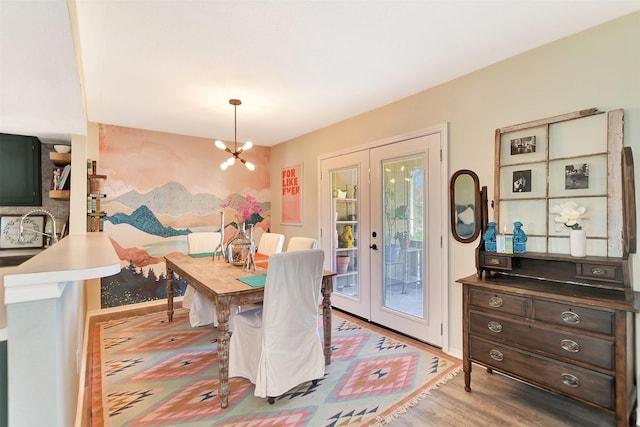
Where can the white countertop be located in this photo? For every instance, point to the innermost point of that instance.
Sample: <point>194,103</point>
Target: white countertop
<point>76,257</point>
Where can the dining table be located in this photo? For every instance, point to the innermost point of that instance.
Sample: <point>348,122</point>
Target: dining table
<point>217,280</point>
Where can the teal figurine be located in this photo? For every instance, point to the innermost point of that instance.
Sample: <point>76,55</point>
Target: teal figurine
<point>519,238</point>
<point>489,237</point>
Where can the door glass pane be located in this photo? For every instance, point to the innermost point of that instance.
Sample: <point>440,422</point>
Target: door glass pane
<point>403,235</point>
<point>344,187</point>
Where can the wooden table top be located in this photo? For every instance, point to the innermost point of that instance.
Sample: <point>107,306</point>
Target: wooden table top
<point>218,276</point>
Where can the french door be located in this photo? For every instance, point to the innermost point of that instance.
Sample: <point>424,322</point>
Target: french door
<point>390,198</point>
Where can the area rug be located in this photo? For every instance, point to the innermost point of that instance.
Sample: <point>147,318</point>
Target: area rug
<point>149,372</point>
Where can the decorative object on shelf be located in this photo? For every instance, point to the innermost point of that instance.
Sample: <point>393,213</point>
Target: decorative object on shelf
<point>489,237</point>
<point>403,239</point>
<point>346,238</point>
<point>342,263</point>
<point>62,148</point>
<point>401,212</point>
<point>578,243</point>
<point>351,191</point>
<point>235,154</point>
<point>519,238</point>
<point>568,214</point>
<point>341,194</point>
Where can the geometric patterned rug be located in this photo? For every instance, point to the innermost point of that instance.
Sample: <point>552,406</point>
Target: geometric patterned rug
<point>149,372</point>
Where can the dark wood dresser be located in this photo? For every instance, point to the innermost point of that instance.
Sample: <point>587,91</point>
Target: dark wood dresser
<point>557,322</point>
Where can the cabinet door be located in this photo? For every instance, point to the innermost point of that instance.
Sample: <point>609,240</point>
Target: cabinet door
<point>20,176</point>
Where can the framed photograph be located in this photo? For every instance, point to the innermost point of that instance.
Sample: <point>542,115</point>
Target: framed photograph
<point>523,145</point>
<point>291,193</point>
<point>522,181</point>
<point>10,231</point>
<point>576,176</point>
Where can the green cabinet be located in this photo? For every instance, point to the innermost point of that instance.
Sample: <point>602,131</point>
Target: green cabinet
<point>20,175</point>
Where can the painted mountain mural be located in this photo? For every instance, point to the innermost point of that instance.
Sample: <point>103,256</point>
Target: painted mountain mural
<point>137,226</point>
<point>143,219</point>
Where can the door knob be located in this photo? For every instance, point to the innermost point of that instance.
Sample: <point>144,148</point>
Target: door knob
<point>374,247</point>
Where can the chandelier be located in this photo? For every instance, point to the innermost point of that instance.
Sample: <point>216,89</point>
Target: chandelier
<point>235,154</point>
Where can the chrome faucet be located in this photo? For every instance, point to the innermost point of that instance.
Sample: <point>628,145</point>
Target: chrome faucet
<point>21,230</point>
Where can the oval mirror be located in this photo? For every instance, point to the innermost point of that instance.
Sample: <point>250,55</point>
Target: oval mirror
<point>464,194</point>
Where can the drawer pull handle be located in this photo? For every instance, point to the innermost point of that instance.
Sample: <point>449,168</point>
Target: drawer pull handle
<point>494,261</point>
<point>496,355</point>
<point>598,271</point>
<point>494,327</point>
<point>570,317</point>
<point>570,346</point>
<point>495,302</point>
<point>570,380</point>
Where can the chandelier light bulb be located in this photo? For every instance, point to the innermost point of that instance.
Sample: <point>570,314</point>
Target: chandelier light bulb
<point>235,154</point>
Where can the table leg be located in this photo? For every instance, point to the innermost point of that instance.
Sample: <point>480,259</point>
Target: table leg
<point>170,294</point>
<point>223,307</point>
<point>327,287</point>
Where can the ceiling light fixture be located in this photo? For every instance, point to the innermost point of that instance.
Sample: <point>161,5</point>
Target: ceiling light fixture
<point>235,154</point>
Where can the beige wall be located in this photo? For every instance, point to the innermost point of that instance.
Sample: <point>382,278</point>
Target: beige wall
<point>596,68</point>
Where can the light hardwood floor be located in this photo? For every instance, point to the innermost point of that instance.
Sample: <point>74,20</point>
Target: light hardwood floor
<point>496,400</point>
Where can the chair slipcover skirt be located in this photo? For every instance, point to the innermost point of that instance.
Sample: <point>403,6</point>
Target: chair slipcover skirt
<point>278,346</point>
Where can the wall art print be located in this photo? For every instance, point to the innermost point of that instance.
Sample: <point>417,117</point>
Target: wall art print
<point>291,193</point>
<point>160,187</point>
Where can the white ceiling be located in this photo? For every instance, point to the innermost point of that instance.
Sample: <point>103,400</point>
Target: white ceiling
<point>297,66</point>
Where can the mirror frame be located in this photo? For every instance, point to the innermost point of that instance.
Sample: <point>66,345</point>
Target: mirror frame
<point>477,207</point>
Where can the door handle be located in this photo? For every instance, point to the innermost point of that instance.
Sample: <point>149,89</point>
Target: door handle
<point>374,247</point>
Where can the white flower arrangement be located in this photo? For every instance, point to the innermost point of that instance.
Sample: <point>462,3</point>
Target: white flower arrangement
<point>568,214</point>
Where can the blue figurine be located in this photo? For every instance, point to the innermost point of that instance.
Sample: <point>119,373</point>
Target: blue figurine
<point>490,237</point>
<point>519,238</point>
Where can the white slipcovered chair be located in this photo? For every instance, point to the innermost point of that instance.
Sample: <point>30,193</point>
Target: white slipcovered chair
<point>300,243</point>
<point>278,345</point>
<point>270,243</point>
<point>201,311</point>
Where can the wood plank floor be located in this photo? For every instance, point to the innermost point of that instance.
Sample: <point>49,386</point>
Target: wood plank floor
<point>496,400</point>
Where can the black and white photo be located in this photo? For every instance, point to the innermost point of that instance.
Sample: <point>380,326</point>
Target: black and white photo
<point>522,181</point>
<point>576,176</point>
<point>523,145</point>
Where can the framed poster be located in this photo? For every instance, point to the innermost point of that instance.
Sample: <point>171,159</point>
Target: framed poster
<point>10,230</point>
<point>291,192</point>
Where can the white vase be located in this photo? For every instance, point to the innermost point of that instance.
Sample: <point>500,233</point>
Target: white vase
<point>578,240</point>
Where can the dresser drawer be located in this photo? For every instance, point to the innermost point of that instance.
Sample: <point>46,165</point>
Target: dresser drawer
<point>562,377</point>
<point>600,272</point>
<point>494,260</point>
<point>499,302</point>
<point>538,339</point>
<point>588,319</point>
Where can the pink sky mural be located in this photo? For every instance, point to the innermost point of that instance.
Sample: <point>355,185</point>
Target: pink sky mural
<point>144,160</point>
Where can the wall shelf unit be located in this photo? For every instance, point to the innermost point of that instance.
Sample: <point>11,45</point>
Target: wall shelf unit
<point>95,194</point>
<point>60,160</point>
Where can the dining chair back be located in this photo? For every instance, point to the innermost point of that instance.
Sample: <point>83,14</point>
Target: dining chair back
<point>201,311</point>
<point>278,345</point>
<point>300,243</point>
<point>270,243</point>
<point>202,241</point>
